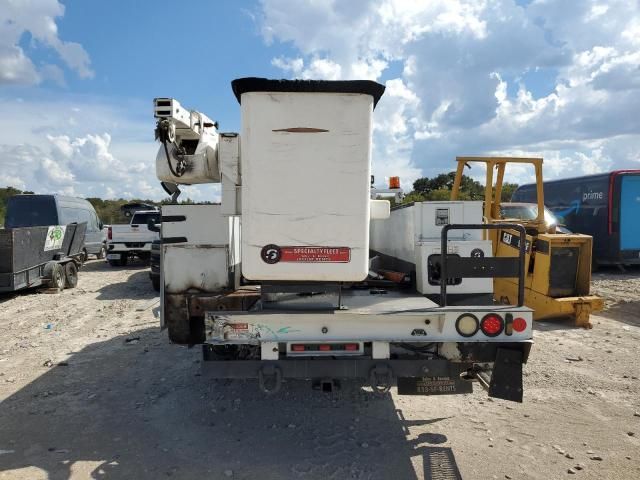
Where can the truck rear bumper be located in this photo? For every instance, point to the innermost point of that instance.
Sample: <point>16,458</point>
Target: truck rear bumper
<point>419,376</point>
<point>128,247</point>
<point>309,368</point>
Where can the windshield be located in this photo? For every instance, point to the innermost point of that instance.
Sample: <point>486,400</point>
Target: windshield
<point>143,218</point>
<point>31,211</point>
<point>527,212</point>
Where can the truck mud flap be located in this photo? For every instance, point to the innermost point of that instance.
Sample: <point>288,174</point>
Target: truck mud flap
<point>506,378</point>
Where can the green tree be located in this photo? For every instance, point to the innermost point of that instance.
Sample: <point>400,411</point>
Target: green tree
<point>5,193</point>
<point>507,191</point>
<point>439,188</point>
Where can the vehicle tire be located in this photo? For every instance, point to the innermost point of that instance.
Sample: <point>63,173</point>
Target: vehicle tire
<point>71,275</point>
<point>124,259</point>
<point>102,253</point>
<point>54,273</point>
<point>84,256</point>
<point>155,281</point>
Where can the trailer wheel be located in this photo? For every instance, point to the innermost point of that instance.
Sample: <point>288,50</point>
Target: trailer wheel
<point>54,272</point>
<point>71,274</point>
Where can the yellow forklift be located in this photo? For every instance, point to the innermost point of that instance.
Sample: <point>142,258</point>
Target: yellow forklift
<point>557,265</point>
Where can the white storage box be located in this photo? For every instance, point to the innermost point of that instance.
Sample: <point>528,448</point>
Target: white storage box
<point>306,154</point>
<point>430,217</point>
<point>398,235</point>
<point>429,253</point>
<point>200,249</point>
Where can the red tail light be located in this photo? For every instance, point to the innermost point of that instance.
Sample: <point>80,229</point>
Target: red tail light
<point>297,348</point>
<point>324,347</point>
<point>109,234</point>
<point>519,324</point>
<point>492,325</point>
<point>352,347</point>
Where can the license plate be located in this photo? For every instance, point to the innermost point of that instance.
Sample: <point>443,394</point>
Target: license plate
<point>433,386</point>
<point>113,256</point>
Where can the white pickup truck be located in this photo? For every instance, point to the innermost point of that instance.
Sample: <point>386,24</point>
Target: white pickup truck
<point>133,239</point>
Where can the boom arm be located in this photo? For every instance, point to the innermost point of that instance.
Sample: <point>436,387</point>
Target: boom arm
<point>189,139</point>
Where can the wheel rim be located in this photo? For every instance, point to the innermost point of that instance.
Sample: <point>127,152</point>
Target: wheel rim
<point>71,275</point>
<point>59,279</point>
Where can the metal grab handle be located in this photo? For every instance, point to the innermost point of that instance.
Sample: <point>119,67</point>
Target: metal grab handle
<point>489,226</point>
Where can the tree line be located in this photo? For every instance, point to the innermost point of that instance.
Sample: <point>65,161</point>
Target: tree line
<point>108,210</point>
<point>440,186</point>
<point>424,189</point>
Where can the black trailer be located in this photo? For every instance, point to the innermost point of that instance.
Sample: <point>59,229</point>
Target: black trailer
<point>41,256</point>
<point>605,206</point>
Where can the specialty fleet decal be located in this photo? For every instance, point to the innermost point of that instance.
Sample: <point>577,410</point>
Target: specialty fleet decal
<point>273,254</point>
<point>55,237</point>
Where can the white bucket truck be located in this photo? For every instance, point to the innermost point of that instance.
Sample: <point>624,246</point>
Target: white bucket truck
<point>276,281</point>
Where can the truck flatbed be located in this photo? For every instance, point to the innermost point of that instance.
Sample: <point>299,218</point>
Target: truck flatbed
<point>391,317</point>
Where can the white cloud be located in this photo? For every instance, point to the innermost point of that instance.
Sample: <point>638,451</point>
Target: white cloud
<point>11,180</point>
<point>38,18</point>
<point>99,155</point>
<point>459,63</point>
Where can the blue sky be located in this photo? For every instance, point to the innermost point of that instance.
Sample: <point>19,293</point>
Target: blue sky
<point>140,50</point>
<point>544,77</point>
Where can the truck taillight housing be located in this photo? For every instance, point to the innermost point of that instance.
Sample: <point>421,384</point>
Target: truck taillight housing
<point>519,324</point>
<point>492,325</point>
<point>109,233</point>
<point>467,325</point>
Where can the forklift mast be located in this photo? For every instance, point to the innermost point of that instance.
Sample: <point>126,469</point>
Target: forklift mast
<point>558,266</point>
<point>492,196</point>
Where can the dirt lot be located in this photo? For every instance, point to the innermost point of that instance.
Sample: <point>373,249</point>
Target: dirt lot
<point>90,388</point>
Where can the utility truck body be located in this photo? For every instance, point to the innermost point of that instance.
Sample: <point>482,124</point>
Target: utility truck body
<point>292,275</point>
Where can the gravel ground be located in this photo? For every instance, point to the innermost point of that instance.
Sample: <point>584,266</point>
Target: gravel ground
<point>90,388</point>
<point>621,291</point>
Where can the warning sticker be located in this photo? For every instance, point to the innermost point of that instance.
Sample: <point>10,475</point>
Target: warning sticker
<point>275,254</point>
<point>55,237</point>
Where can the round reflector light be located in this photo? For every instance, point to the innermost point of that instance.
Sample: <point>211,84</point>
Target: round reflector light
<point>491,325</point>
<point>519,324</point>
<point>467,325</point>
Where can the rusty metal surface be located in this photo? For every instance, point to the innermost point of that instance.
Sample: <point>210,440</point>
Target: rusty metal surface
<point>239,300</point>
